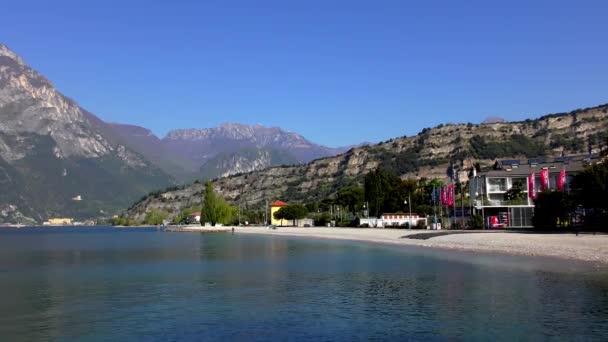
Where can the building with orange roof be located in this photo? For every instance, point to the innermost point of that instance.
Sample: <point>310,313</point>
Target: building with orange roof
<point>274,207</point>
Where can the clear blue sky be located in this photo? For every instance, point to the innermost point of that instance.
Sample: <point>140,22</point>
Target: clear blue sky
<point>338,72</point>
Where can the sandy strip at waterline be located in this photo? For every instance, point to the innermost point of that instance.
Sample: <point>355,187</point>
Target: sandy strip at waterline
<point>584,247</point>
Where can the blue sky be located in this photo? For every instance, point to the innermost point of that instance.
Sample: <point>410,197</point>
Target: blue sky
<point>337,72</point>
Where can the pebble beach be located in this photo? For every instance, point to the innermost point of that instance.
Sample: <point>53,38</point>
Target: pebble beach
<point>582,247</point>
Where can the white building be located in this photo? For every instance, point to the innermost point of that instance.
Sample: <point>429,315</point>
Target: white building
<point>393,220</point>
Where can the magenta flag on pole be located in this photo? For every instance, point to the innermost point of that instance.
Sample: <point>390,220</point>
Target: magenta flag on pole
<point>561,181</point>
<point>544,180</point>
<point>532,186</point>
<point>450,194</point>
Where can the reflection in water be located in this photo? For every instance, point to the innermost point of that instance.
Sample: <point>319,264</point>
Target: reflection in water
<point>144,284</point>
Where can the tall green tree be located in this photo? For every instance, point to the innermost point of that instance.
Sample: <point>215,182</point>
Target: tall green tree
<point>386,192</point>
<point>155,217</point>
<point>378,187</point>
<point>590,190</point>
<point>215,209</point>
<point>551,210</point>
<point>351,197</point>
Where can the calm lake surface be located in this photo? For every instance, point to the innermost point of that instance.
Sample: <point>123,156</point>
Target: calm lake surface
<point>143,284</point>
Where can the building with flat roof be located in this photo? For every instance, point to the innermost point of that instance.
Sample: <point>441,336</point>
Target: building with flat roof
<point>65,221</point>
<point>503,195</point>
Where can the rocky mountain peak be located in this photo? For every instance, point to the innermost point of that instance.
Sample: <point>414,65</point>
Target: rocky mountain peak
<point>8,53</point>
<point>52,150</point>
<point>493,120</point>
<point>29,103</point>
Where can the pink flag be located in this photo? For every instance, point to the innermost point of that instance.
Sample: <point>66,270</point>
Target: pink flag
<point>532,186</point>
<point>444,200</point>
<point>450,196</point>
<point>561,181</point>
<point>544,179</point>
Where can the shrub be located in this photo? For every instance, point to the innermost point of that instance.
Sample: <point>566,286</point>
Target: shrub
<point>477,222</point>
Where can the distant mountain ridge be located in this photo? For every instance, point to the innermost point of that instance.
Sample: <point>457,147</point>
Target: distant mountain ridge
<point>189,154</point>
<point>203,144</point>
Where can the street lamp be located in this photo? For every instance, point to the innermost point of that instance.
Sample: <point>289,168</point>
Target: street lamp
<point>409,201</point>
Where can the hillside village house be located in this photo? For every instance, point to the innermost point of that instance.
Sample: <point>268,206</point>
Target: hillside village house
<point>487,189</point>
<point>195,217</point>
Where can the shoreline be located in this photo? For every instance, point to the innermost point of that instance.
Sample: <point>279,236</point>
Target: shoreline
<point>587,248</point>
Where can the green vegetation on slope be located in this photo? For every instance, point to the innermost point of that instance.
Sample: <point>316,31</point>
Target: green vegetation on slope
<point>43,185</point>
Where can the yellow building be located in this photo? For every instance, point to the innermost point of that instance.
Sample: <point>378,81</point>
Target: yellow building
<point>274,207</point>
<point>59,221</point>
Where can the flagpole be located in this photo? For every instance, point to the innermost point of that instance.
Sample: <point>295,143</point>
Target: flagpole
<point>434,209</point>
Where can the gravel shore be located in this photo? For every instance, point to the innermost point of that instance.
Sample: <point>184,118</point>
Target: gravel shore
<point>585,247</point>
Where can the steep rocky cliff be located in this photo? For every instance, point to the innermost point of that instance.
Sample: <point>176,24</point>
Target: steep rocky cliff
<point>427,154</point>
<point>52,150</point>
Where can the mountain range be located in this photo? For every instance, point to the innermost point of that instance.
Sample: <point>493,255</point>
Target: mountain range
<point>188,154</point>
<point>58,159</point>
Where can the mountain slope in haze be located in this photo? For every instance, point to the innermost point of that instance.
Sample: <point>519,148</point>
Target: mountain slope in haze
<point>427,154</point>
<point>202,145</point>
<point>52,150</point>
<point>144,142</point>
<point>189,154</point>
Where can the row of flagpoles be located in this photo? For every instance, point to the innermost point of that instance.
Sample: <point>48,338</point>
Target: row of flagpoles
<point>544,182</point>
<point>445,194</point>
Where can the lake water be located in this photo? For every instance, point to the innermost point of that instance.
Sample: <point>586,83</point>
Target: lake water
<point>142,284</point>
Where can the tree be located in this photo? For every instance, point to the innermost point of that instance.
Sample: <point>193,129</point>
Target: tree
<point>351,197</point>
<point>590,190</point>
<point>516,193</point>
<point>215,209</point>
<point>155,217</point>
<point>291,212</point>
<point>551,210</point>
<point>386,192</point>
<point>379,187</point>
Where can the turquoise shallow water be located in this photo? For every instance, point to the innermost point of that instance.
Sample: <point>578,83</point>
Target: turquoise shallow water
<point>142,284</point>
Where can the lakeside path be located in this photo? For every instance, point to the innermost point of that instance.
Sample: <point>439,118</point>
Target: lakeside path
<point>585,247</point>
